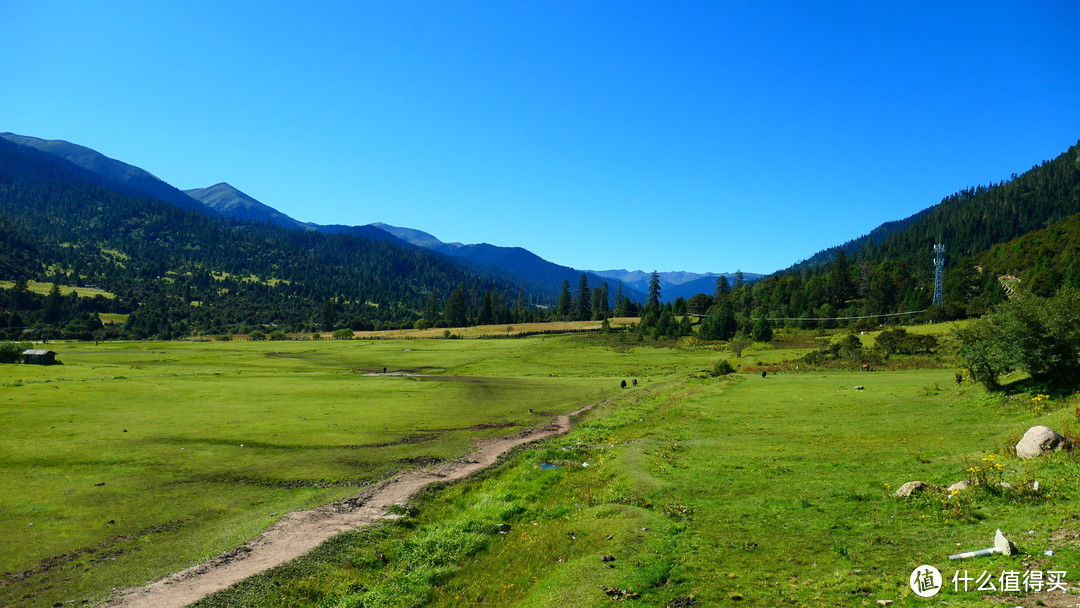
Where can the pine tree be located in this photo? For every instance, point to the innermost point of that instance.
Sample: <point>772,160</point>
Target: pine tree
<point>722,288</point>
<point>654,291</point>
<point>565,302</point>
<point>584,299</point>
<point>455,311</point>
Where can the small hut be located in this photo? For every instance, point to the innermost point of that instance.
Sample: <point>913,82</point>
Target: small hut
<point>36,356</point>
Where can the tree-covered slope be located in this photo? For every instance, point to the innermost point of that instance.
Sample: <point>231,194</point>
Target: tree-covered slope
<point>870,277</point>
<point>975,219</point>
<point>179,271</point>
<point>121,176</point>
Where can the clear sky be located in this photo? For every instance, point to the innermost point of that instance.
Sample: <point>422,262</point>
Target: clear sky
<point>700,136</point>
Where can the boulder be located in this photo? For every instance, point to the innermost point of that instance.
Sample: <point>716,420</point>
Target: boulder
<point>916,487</point>
<point>960,485</point>
<point>1037,441</point>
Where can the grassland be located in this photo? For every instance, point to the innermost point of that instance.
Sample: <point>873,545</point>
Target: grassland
<point>66,290</point>
<point>765,491</point>
<point>136,459</point>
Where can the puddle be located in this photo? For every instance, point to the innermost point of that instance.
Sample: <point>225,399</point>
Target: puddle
<point>547,466</point>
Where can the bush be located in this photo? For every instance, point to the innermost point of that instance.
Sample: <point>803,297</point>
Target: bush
<point>1040,336</point>
<point>898,341</point>
<point>722,368</point>
<point>846,353</point>
<point>343,334</point>
<point>11,352</point>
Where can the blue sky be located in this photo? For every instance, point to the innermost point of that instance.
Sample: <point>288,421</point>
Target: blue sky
<point>700,136</point>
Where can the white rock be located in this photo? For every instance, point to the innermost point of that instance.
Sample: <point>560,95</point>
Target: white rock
<point>1037,441</point>
<point>916,487</point>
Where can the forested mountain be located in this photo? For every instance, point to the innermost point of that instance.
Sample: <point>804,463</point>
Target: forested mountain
<point>896,274</point>
<point>230,202</point>
<point>178,272</point>
<point>974,219</point>
<point>674,284</point>
<point>120,176</point>
<point>517,261</point>
<point>512,264</point>
<point>1043,260</point>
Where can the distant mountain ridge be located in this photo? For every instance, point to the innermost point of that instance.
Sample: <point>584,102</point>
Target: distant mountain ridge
<point>137,181</point>
<point>230,202</point>
<point>675,284</point>
<point>517,261</point>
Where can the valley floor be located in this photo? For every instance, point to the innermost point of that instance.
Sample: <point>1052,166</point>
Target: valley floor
<point>135,460</point>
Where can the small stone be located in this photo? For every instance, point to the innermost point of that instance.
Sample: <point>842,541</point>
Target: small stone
<point>960,485</point>
<point>884,602</point>
<point>860,388</point>
<point>916,487</point>
<point>504,528</point>
<point>607,558</point>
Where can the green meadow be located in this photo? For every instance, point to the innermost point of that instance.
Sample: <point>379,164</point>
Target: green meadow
<point>735,491</point>
<point>134,460</point>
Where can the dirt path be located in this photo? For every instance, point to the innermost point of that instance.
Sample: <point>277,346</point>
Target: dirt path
<point>301,531</point>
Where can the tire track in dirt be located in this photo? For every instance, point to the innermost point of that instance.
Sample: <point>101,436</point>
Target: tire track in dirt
<point>301,531</point>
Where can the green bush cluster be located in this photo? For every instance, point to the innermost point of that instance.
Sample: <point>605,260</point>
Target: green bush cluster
<point>11,352</point>
<point>847,352</point>
<point>723,367</point>
<point>897,341</point>
<point>1040,336</point>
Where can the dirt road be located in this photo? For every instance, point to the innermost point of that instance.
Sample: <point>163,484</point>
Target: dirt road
<point>301,531</point>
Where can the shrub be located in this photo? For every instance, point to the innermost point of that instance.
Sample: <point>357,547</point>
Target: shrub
<point>722,368</point>
<point>898,341</point>
<point>343,334</point>
<point>1038,335</point>
<point>11,352</point>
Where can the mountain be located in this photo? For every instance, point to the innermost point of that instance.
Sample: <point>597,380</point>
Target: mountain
<point>974,219</point>
<point>1043,260</point>
<point>230,202</point>
<point>417,237</point>
<point>1020,226</point>
<point>675,284</point>
<point>177,271</point>
<point>122,176</point>
<point>518,261</point>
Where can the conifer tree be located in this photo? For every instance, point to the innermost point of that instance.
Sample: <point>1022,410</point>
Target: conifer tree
<point>654,291</point>
<point>584,299</point>
<point>565,301</point>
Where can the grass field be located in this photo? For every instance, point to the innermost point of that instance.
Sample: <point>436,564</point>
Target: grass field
<point>66,290</point>
<point>133,460</point>
<point>764,492</point>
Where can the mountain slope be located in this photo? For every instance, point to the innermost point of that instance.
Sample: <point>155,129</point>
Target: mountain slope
<point>975,219</point>
<point>178,271</point>
<point>122,176</point>
<point>230,202</point>
<point>518,261</point>
<point>675,284</point>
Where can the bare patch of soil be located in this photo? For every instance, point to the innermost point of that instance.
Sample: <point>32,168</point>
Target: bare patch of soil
<point>299,532</point>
